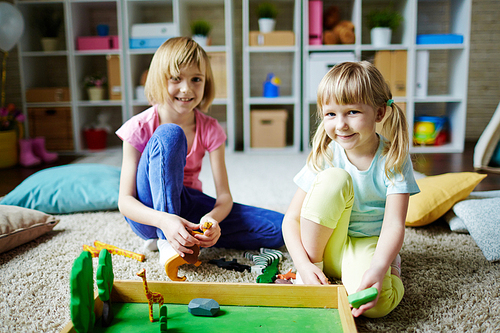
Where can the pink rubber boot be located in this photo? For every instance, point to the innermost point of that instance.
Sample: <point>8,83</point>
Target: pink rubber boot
<point>38,146</point>
<point>26,156</point>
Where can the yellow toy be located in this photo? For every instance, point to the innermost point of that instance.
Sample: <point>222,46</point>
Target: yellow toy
<point>151,296</point>
<point>98,246</point>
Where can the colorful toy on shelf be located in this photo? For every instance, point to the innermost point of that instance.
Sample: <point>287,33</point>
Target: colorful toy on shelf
<point>271,86</point>
<point>362,297</point>
<point>430,130</point>
<point>151,296</point>
<point>337,31</point>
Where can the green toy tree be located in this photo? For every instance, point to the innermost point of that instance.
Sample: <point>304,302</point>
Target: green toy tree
<point>82,293</point>
<point>104,279</point>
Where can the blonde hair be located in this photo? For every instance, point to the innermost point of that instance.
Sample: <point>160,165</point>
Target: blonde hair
<point>361,82</point>
<point>167,61</point>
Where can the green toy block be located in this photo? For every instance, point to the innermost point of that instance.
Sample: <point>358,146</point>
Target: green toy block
<point>163,318</point>
<point>362,297</point>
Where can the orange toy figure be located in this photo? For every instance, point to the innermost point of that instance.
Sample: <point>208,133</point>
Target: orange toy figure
<point>116,250</point>
<point>172,264</point>
<point>151,296</point>
<point>288,276</point>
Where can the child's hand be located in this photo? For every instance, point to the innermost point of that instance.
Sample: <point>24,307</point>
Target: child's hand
<point>211,234</point>
<point>373,277</point>
<point>177,233</point>
<point>311,274</point>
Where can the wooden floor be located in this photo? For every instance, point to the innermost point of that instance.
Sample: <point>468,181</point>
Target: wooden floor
<point>11,177</point>
<point>434,164</point>
<point>429,164</point>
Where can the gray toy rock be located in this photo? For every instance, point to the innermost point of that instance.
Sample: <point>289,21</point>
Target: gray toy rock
<point>206,307</point>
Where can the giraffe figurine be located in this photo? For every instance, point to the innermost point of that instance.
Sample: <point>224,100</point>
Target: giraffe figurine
<point>151,296</point>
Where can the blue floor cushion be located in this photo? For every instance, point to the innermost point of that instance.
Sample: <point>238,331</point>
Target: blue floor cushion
<point>68,189</point>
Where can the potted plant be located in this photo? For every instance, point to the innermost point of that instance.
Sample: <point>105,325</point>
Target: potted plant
<point>200,30</point>
<point>266,12</point>
<point>11,129</point>
<point>49,23</point>
<point>95,86</point>
<point>382,22</point>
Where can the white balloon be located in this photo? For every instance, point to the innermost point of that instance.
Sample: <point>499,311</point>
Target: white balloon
<point>11,26</point>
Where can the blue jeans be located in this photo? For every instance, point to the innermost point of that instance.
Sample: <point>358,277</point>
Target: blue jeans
<point>160,176</point>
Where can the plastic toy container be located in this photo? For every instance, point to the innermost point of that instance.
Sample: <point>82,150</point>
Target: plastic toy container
<point>430,130</point>
<point>95,138</point>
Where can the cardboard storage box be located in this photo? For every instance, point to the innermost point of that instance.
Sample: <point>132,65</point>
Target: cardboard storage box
<point>218,64</point>
<point>275,38</point>
<point>392,65</point>
<point>268,128</point>
<point>114,78</point>
<point>54,124</point>
<point>53,94</point>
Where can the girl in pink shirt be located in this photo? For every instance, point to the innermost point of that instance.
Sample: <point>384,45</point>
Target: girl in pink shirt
<point>160,194</point>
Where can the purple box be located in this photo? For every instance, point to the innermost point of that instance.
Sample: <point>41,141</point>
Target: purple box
<point>97,43</point>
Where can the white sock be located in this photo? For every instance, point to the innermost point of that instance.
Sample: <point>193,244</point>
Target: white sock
<point>298,279</point>
<point>150,244</point>
<point>166,251</point>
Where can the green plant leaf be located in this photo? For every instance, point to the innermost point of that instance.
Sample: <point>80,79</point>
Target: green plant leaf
<point>385,18</point>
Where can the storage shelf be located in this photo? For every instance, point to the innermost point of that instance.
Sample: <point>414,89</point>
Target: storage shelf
<point>440,47</point>
<point>100,103</point>
<point>68,67</point>
<point>284,61</point>
<point>272,100</point>
<point>448,63</point>
<point>98,52</point>
<point>271,49</point>
<point>440,99</point>
<point>48,105</point>
<point>45,54</point>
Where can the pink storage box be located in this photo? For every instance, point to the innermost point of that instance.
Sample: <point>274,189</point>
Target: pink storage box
<point>98,43</point>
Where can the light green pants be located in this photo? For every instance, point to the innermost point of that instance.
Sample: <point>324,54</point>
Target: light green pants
<point>329,203</point>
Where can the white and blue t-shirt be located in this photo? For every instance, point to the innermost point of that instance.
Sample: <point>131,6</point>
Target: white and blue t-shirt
<point>371,188</point>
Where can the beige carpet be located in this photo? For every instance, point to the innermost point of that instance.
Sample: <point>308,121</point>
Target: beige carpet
<point>450,286</point>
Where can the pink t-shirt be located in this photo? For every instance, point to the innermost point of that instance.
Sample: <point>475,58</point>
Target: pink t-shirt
<point>208,137</point>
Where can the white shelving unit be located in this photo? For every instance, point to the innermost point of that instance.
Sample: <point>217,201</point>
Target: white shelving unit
<point>181,13</point>
<point>67,66</point>
<point>448,68</point>
<point>283,61</point>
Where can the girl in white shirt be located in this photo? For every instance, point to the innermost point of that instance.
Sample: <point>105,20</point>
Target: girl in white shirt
<point>347,218</point>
